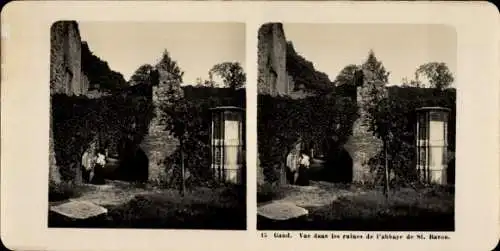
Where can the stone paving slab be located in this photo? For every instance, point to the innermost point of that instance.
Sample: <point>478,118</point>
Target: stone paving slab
<point>79,209</point>
<point>281,211</point>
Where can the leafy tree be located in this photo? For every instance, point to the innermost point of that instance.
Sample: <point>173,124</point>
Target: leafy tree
<point>172,105</point>
<point>99,74</point>
<point>304,74</point>
<point>170,67</point>
<point>438,74</point>
<point>142,74</point>
<point>376,68</point>
<point>231,72</point>
<point>347,75</point>
<point>204,83</point>
<point>375,78</point>
<point>411,83</point>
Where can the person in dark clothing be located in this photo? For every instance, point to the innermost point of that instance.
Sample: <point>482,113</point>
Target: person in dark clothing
<point>304,163</point>
<point>98,177</point>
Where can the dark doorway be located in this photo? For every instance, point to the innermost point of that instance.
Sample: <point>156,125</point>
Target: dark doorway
<point>338,166</point>
<point>133,163</point>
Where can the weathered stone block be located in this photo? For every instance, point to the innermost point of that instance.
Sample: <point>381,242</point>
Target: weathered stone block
<point>66,74</point>
<point>281,211</point>
<point>65,59</point>
<point>363,145</point>
<point>79,210</point>
<point>272,76</point>
<point>159,143</point>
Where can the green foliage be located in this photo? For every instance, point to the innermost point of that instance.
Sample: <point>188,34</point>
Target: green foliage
<point>304,74</point>
<point>347,76</point>
<point>98,72</point>
<point>268,192</point>
<point>77,121</point>
<point>282,121</point>
<point>202,208</point>
<point>63,191</point>
<point>375,78</point>
<point>377,71</point>
<point>411,83</point>
<point>204,83</point>
<point>231,72</point>
<point>142,74</point>
<point>166,64</point>
<point>437,73</point>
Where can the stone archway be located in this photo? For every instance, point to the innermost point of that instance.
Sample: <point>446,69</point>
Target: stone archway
<point>133,164</point>
<point>337,166</point>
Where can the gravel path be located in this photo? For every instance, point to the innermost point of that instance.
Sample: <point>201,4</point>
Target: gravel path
<point>112,193</point>
<point>318,194</point>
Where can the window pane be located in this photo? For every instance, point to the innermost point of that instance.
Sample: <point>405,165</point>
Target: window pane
<point>437,132</point>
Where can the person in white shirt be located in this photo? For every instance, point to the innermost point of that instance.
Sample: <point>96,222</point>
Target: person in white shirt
<point>88,163</point>
<point>100,162</point>
<point>304,163</point>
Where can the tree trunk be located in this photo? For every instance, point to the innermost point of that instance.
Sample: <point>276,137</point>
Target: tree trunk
<point>183,180</point>
<point>386,169</point>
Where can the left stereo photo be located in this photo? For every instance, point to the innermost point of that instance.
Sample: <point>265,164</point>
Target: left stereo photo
<point>147,125</point>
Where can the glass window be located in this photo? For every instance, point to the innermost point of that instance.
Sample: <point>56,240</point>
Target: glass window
<point>217,155</point>
<point>422,127</point>
<point>422,156</point>
<point>231,133</point>
<point>437,131</point>
<point>216,125</point>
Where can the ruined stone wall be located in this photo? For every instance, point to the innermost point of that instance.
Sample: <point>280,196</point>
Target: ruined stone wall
<point>54,175</point>
<point>272,75</point>
<point>65,60</point>
<point>274,79</point>
<point>296,93</point>
<point>363,145</point>
<point>159,143</point>
<point>65,74</point>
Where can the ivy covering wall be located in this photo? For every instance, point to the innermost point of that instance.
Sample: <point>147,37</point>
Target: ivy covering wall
<point>329,118</point>
<point>283,121</point>
<point>78,120</point>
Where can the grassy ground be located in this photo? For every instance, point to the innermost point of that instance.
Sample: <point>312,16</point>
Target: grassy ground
<point>340,207</point>
<point>143,207</point>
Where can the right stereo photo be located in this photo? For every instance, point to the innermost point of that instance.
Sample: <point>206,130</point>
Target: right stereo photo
<point>356,127</point>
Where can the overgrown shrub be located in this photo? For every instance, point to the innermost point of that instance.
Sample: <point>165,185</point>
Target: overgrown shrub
<point>63,191</point>
<point>268,192</point>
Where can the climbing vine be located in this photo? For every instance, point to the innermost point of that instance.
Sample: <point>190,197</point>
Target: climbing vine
<point>282,121</point>
<point>78,120</point>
